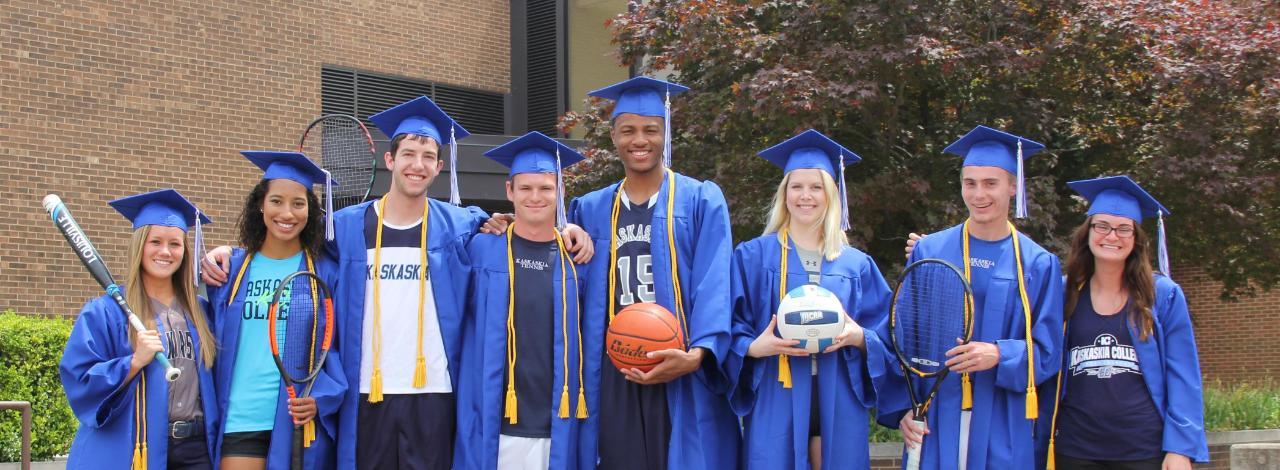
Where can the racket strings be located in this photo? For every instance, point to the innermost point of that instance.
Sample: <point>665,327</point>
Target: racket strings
<point>931,314</point>
<point>298,326</point>
<point>344,151</point>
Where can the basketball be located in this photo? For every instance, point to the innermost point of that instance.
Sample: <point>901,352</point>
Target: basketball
<point>638,330</point>
<point>812,315</point>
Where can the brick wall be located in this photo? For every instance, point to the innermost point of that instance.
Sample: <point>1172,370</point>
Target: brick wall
<point>1237,340</point>
<point>103,99</point>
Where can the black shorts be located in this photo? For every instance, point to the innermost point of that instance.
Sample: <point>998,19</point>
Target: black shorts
<point>409,432</point>
<point>246,444</point>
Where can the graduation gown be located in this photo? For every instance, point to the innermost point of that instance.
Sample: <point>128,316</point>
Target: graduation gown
<point>704,431</point>
<point>93,368</point>
<point>449,229</point>
<point>1000,436</point>
<point>1171,370</point>
<point>484,360</point>
<point>776,419</point>
<point>328,389</point>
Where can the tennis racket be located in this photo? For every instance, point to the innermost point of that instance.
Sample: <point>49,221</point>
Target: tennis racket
<point>346,151</point>
<point>92,261</point>
<point>932,306</point>
<point>300,329</point>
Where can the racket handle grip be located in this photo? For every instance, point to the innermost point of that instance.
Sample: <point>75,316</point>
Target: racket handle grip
<point>913,453</point>
<point>296,458</point>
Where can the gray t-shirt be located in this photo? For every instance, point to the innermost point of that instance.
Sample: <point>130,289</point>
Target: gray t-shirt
<point>184,393</point>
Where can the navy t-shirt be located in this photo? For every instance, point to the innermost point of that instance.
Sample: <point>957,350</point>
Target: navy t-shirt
<point>635,425</point>
<point>1107,413</point>
<point>535,335</point>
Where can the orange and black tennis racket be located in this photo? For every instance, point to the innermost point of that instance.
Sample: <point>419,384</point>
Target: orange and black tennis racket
<point>300,328</point>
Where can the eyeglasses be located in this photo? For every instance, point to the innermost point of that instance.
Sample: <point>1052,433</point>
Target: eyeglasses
<point>1123,231</point>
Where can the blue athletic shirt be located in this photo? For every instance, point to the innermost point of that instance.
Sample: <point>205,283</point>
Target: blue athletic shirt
<point>255,381</point>
<point>1107,413</point>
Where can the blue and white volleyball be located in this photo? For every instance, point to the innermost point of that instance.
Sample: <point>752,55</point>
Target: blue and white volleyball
<point>812,315</point>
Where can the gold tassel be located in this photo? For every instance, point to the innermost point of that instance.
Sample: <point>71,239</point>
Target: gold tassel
<point>564,402</point>
<point>1050,465</point>
<point>1033,403</point>
<point>375,386</point>
<point>308,433</point>
<point>966,393</point>
<point>420,372</point>
<point>510,413</point>
<point>784,371</point>
<point>138,464</point>
<point>582,404</point>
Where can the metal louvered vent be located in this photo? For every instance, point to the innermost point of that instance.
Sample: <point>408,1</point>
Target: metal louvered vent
<point>363,94</point>
<point>542,38</point>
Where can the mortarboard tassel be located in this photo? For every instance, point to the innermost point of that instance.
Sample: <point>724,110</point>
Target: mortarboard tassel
<point>1163,249</point>
<point>844,197</point>
<point>328,205</point>
<point>197,251</point>
<point>666,131</point>
<point>561,217</point>
<point>1021,211</point>
<point>454,197</point>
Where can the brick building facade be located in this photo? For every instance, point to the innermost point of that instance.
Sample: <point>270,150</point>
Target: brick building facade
<point>106,99</point>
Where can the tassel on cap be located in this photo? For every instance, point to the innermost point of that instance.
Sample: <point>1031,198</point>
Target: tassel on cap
<point>328,205</point>
<point>454,197</point>
<point>562,218</point>
<point>198,251</point>
<point>1022,187</point>
<point>666,130</point>
<point>1163,248</point>
<point>844,197</point>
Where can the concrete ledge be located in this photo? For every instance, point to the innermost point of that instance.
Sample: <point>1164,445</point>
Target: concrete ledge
<point>1255,456</point>
<point>57,464</point>
<point>1243,437</point>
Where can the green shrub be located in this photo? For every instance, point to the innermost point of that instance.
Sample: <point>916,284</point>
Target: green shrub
<point>1241,406</point>
<point>30,349</point>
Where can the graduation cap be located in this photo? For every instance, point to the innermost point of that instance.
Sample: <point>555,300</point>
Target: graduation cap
<point>421,117</point>
<point>984,146</point>
<point>167,208</point>
<point>296,167</point>
<point>536,153</point>
<point>812,149</point>
<point>1121,196</point>
<point>644,96</point>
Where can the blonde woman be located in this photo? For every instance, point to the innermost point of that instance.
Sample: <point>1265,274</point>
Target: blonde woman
<point>799,410</point>
<point>130,416</point>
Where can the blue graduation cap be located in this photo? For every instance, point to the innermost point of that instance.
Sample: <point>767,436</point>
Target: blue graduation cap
<point>536,153</point>
<point>1121,196</point>
<point>644,96</point>
<point>984,146</point>
<point>296,167</point>
<point>420,116</point>
<point>812,149</point>
<point>165,207</point>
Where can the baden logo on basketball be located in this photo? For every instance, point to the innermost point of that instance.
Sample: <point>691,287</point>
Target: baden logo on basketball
<point>638,330</point>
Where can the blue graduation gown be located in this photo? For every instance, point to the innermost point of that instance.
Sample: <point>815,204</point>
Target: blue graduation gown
<point>328,389</point>
<point>484,360</point>
<point>93,368</point>
<point>449,229</point>
<point>776,419</point>
<point>1170,368</point>
<point>1000,436</point>
<point>704,431</point>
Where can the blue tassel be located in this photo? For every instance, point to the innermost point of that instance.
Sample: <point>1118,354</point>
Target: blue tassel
<point>561,217</point>
<point>197,251</point>
<point>666,132</point>
<point>844,198</point>
<point>328,206</point>
<point>454,197</point>
<point>1021,211</point>
<point>1163,254</point>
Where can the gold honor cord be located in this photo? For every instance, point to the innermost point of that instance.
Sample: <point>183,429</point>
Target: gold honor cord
<point>1057,400</point>
<point>309,429</point>
<point>671,246</point>
<point>420,367</point>
<point>140,423</point>
<point>784,362</point>
<point>510,408</point>
<point>1032,412</point>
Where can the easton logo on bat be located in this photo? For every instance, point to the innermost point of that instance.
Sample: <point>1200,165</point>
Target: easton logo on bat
<point>78,240</point>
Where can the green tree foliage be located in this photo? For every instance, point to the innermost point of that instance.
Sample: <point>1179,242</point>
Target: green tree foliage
<point>1182,95</point>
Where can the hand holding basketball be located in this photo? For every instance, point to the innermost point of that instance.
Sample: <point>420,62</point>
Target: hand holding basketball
<point>638,331</point>
<point>768,344</point>
<point>675,363</point>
